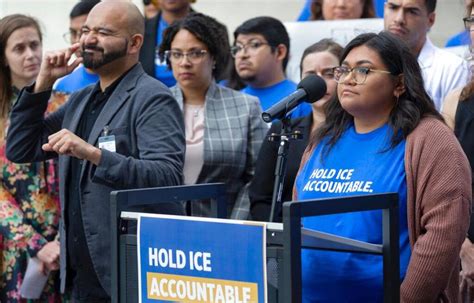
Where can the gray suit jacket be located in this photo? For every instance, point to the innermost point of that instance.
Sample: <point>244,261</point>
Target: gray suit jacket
<point>149,135</point>
<point>233,134</point>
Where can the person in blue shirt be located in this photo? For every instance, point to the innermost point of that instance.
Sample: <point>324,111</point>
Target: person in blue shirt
<point>261,52</point>
<point>463,37</point>
<point>81,76</point>
<point>383,134</point>
<point>170,11</point>
<point>459,39</point>
<point>319,59</point>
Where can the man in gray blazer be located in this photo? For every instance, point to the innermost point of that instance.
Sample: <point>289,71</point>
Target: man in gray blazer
<point>124,132</point>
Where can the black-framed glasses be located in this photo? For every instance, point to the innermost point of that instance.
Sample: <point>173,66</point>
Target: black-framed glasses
<point>468,23</point>
<point>359,73</point>
<point>250,47</point>
<point>194,56</point>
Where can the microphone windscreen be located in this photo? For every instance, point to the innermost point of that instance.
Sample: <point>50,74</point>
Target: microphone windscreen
<point>314,86</point>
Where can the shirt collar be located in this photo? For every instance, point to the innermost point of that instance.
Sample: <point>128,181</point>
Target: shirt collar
<point>426,56</point>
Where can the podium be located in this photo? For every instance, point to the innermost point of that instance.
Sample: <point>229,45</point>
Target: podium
<point>284,240</point>
<point>124,274</point>
<point>295,237</point>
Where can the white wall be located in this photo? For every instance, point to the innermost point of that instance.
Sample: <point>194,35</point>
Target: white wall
<point>54,14</point>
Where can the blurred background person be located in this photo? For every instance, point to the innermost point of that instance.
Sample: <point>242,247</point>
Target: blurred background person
<point>223,127</point>
<point>463,37</point>
<point>458,111</point>
<point>318,59</point>
<point>29,203</point>
<point>342,9</point>
<point>170,11</point>
<point>81,76</point>
<point>151,8</point>
<point>261,51</point>
<point>442,71</point>
<point>339,9</point>
<point>384,134</point>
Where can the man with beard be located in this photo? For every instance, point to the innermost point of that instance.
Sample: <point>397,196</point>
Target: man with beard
<point>125,132</point>
<point>170,11</point>
<point>411,21</point>
<point>80,77</point>
<point>261,51</point>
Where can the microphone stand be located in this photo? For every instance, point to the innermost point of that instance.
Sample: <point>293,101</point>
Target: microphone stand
<point>284,138</point>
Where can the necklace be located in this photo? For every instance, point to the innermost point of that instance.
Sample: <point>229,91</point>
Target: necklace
<point>196,111</point>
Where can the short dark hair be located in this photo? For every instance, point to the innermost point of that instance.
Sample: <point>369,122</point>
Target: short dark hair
<point>430,5</point>
<point>83,7</point>
<point>207,30</point>
<point>323,45</point>
<point>271,29</point>
<point>412,105</point>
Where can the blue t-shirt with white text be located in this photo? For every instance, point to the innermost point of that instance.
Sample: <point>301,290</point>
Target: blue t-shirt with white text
<point>358,164</point>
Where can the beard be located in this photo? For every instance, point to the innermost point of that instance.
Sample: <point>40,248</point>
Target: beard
<point>104,58</point>
<point>248,78</point>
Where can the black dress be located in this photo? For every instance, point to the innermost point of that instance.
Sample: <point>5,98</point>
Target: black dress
<point>464,130</point>
<point>261,188</point>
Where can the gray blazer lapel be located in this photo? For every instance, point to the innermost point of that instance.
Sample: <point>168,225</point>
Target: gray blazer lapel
<point>115,102</point>
<point>64,161</point>
<point>113,105</point>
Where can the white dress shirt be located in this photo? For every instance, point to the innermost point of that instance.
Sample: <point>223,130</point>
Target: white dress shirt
<point>442,71</point>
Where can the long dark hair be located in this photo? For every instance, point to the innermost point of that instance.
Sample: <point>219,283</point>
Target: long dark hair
<point>8,25</point>
<point>316,9</point>
<point>412,105</point>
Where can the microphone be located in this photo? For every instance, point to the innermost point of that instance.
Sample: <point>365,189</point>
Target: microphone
<point>312,88</point>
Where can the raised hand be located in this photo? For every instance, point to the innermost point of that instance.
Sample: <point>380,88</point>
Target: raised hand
<point>56,65</point>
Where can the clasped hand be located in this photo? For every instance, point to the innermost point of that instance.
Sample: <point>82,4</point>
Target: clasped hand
<point>49,257</point>
<point>65,142</point>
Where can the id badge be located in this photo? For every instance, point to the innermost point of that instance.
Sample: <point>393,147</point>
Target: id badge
<point>107,143</point>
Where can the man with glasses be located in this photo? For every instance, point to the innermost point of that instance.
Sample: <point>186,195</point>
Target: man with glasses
<point>261,51</point>
<point>411,20</point>
<point>124,132</point>
<point>81,76</point>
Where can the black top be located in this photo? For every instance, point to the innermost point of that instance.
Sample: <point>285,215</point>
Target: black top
<point>464,130</point>
<point>148,49</point>
<point>261,188</point>
<point>86,284</point>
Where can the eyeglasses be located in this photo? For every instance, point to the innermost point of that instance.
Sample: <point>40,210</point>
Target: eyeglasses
<point>468,23</point>
<point>250,47</point>
<point>359,73</point>
<point>71,36</point>
<point>194,56</point>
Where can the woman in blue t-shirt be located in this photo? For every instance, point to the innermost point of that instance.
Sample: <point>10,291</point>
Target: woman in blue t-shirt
<point>382,133</point>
